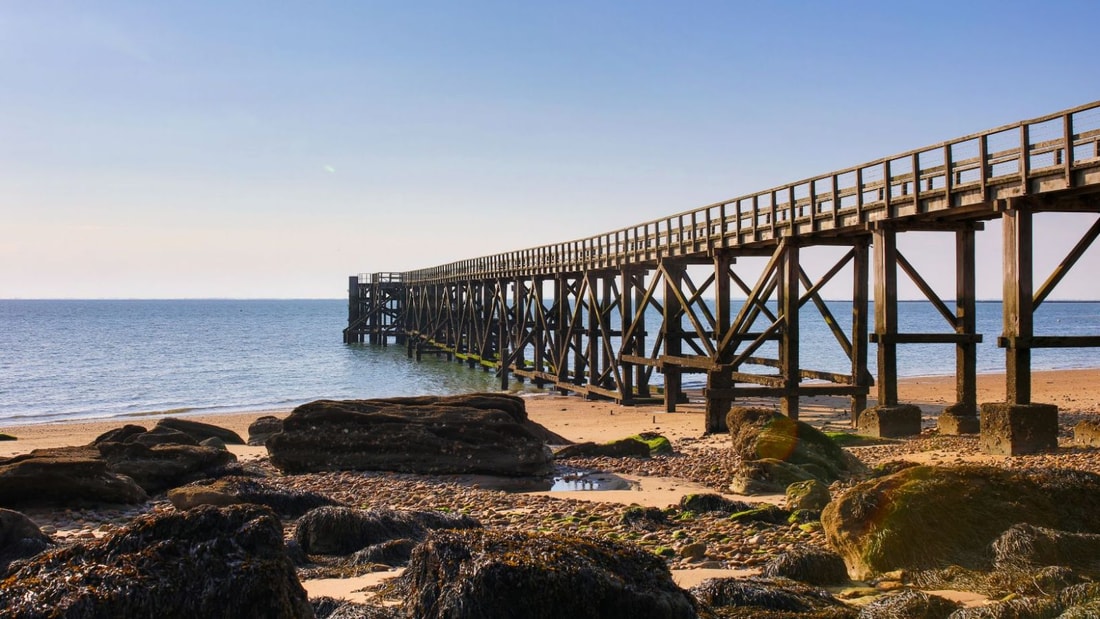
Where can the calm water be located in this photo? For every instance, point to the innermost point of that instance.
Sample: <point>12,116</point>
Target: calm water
<point>84,359</point>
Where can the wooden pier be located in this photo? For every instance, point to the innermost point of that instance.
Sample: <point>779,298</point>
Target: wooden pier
<point>571,316</point>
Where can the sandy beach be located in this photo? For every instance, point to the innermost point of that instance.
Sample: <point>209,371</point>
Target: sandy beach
<point>651,483</point>
<point>1073,391</point>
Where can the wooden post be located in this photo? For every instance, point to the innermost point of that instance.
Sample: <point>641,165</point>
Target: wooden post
<point>886,312</point>
<point>1018,319</point>
<point>626,319</point>
<point>718,408</point>
<point>788,289</point>
<point>674,273</point>
<point>860,374</point>
<point>641,374</point>
<point>966,354</point>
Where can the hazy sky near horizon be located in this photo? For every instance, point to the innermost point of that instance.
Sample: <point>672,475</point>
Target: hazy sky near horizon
<point>257,149</point>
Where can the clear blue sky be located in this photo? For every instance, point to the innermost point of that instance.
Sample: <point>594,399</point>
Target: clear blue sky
<point>259,149</point>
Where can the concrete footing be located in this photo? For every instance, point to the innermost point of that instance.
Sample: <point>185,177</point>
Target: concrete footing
<point>890,421</point>
<point>958,419</point>
<point>1016,429</point>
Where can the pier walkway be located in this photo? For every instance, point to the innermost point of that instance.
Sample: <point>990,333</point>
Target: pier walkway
<point>571,315</point>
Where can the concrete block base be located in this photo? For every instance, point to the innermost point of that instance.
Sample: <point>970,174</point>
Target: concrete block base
<point>1016,429</point>
<point>958,419</point>
<point>890,421</point>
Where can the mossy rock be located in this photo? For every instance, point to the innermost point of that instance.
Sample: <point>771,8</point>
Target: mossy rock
<point>658,444</point>
<point>770,514</point>
<point>809,494</point>
<point>711,502</point>
<point>767,476</point>
<point>927,517</point>
<point>489,573</point>
<point>624,447</point>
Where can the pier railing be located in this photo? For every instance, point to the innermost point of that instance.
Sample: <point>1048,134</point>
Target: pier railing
<point>1051,153</point>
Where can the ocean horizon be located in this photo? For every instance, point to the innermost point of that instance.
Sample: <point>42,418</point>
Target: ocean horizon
<point>67,360</point>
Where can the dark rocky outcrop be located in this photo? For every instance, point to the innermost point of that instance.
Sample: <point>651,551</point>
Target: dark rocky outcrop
<point>776,451</point>
<point>200,431</point>
<point>261,429</point>
<point>615,449</point>
<point>160,467</point>
<point>344,530</point>
<point>20,538</point>
<point>774,598</point>
<point>763,512</point>
<point>161,436</point>
<point>331,608</point>
<point>65,476</point>
<point>208,562</point>
<point>233,490</point>
<point>120,435</point>
<point>708,502</point>
<point>928,517</point>
<point>911,605</point>
<point>1028,546</point>
<point>645,518</point>
<point>477,433</point>
<point>809,494</point>
<point>810,565</point>
<point>484,573</point>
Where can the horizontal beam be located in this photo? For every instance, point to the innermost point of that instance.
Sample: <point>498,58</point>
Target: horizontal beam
<point>1049,341</point>
<point>732,393</point>
<point>924,338</point>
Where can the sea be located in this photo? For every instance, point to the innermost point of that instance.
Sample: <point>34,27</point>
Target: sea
<point>63,360</point>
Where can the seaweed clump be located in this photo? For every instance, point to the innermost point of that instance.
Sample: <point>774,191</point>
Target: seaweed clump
<point>487,573</point>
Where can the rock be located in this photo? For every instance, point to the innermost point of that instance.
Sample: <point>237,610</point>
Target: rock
<point>331,608</point>
<point>694,551</point>
<point>766,476</point>
<point>1087,432</point>
<point>492,573</point>
<point>768,597</point>
<point>208,562</point>
<point>20,538</point>
<point>344,530</point>
<point>392,552</point>
<point>428,439</point>
<point>810,565</point>
<point>924,517</point>
<point>1027,546</point>
<point>708,502</point>
<point>200,431</point>
<point>615,449</point>
<point>658,444</point>
<point>162,436</point>
<point>645,518</point>
<point>763,513</point>
<point>809,494</point>
<point>7,437</point>
<point>232,490</point>
<point>160,467</point>
<point>262,428</point>
<point>214,442</point>
<point>910,604</point>
<point>120,435</point>
<point>64,476</point>
<point>776,451</point>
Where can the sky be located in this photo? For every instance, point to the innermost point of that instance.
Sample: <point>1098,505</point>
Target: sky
<point>270,150</point>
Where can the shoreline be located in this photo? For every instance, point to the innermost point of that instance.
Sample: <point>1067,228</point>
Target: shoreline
<point>592,420</point>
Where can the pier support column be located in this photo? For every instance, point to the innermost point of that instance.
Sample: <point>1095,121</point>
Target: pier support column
<point>962,416</point>
<point>1018,426</point>
<point>788,288</point>
<point>674,275</point>
<point>861,377</point>
<point>718,408</point>
<point>888,418</point>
